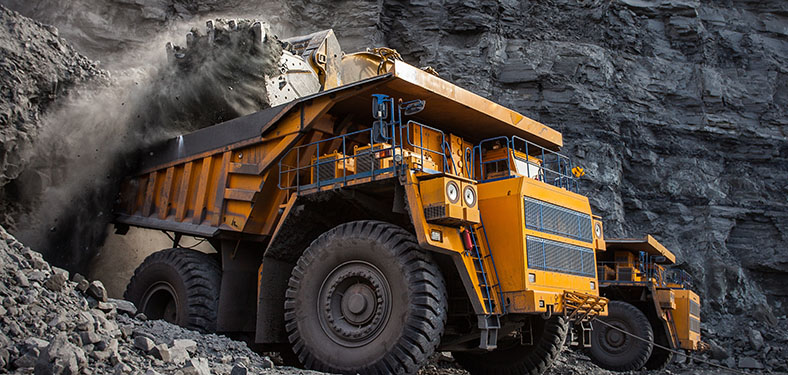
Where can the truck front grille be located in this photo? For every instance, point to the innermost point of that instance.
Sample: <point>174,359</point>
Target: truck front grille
<point>555,256</point>
<point>553,219</point>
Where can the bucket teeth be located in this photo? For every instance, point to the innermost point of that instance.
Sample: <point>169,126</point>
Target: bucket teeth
<point>257,31</point>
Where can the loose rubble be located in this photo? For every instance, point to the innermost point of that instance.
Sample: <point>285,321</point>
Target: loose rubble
<point>50,326</point>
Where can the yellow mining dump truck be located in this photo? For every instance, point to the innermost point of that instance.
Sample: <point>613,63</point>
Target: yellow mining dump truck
<point>648,299</point>
<point>367,225</point>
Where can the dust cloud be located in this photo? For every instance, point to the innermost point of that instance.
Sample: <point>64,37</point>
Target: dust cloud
<point>90,141</point>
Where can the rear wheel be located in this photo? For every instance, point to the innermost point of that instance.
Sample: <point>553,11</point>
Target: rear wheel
<point>615,350</point>
<point>513,358</point>
<point>180,286</point>
<point>363,298</point>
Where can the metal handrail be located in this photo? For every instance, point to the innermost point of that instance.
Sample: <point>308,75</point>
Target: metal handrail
<point>551,163</point>
<point>421,147</point>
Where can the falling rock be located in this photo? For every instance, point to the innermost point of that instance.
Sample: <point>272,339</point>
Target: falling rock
<point>143,343</point>
<point>97,291</point>
<point>197,366</point>
<point>749,362</point>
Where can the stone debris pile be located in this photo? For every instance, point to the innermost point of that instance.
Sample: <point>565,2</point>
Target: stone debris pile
<point>50,324</point>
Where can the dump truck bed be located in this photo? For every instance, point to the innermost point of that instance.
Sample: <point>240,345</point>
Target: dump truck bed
<point>223,178</point>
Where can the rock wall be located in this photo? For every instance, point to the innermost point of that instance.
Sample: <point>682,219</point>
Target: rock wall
<point>675,108</point>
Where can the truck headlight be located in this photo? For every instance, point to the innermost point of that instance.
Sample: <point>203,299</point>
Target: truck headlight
<point>452,192</point>
<point>469,195</point>
<point>593,285</point>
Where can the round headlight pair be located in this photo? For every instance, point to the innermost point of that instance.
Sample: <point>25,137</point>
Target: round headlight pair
<point>453,193</point>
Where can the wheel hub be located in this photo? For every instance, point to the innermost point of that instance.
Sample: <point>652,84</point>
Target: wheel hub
<point>354,303</point>
<point>614,340</point>
<point>160,302</point>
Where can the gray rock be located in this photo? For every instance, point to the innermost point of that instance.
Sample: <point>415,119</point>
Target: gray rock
<point>755,338</point>
<point>89,337</point>
<point>21,279</point>
<point>60,357</point>
<point>97,291</point>
<point>161,352</point>
<point>178,355</point>
<point>123,306</point>
<point>266,363</point>
<point>187,344</point>
<point>239,369</point>
<point>58,280</point>
<point>77,278</point>
<point>196,366</point>
<point>83,285</point>
<point>143,343</point>
<point>750,363</point>
<point>717,352</point>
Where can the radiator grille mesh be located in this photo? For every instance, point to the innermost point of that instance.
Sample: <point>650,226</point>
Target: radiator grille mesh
<point>694,308</point>
<point>549,218</point>
<point>555,256</point>
<point>694,325</point>
<point>435,212</point>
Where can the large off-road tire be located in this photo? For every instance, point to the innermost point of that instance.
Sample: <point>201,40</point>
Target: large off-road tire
<point>513,358</point>
<point>614,350</point>
<point>363,298</point>
<point>660,358</point>
<point>180,286</point>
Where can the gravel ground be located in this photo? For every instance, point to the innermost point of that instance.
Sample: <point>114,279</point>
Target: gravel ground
<point>53,325</point>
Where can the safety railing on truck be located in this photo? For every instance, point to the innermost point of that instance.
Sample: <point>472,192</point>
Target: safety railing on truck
<point>646,270</point>
<point>344,159</point>
<point>499,157</point>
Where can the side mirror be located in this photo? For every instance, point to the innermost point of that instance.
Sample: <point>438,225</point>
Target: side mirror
<point>412,107</point>
<point>380,110</point>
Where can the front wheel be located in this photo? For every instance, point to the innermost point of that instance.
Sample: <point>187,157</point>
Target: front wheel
<point>363,298</point>
<point>513,358</point>
<point>612,344</point>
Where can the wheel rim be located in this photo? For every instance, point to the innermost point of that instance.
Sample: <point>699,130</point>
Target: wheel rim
<point>354,303</point>
<point>161,302</point>
<point>614,341</point>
